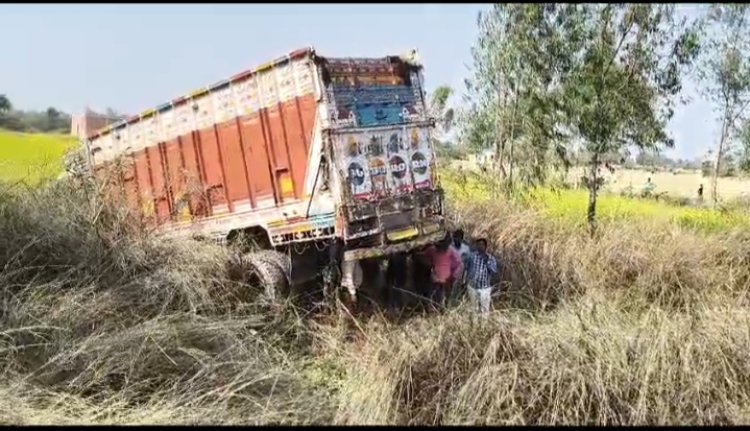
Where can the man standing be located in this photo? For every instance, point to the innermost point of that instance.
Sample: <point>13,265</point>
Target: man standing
<point>460,246</point>
<point>482,267</point>
<point>446,267</point>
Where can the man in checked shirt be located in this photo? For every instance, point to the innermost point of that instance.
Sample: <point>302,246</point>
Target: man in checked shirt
<point>480,270</point>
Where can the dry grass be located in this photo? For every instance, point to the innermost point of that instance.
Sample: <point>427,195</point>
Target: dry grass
<point>102,323</point>
<point>639,327</point>
<point>129,329</point>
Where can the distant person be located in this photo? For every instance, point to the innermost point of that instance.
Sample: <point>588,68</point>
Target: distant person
<point>648,188</point>
<point>446,268</point>
<point>700,194</point>
<point>482,268</point>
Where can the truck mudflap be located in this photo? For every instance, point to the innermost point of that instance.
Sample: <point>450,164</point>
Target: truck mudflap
<point>371,252</point>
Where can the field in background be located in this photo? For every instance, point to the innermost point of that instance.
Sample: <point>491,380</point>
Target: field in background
<point>682,184</point>
<point>569,206</point>
<point>31,157</point>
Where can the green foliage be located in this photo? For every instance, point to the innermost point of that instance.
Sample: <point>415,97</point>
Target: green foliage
<point>604,74</point>
<point>449,151</point>
<point>440,110</point>
<point>519,61</point>
<point>725,75</point>
<point>5,104</point>
<point>49,120</point>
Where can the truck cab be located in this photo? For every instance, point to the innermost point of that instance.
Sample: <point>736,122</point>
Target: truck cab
<point>377,132</point>
<point>379,137</point>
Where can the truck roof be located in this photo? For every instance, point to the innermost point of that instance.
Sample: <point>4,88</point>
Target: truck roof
<point>412,61</point>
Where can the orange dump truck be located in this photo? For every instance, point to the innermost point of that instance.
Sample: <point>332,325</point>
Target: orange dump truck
<point>334,153</point>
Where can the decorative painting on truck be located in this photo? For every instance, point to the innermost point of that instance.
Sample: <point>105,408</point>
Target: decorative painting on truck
<point>376,163</point>
<point>246,94</point>
<point>150,132</point>
<point>204,115</point>
<point>223,103</point>
<point>368,92</point>
<point>184,119</point>
<point>167,126</point>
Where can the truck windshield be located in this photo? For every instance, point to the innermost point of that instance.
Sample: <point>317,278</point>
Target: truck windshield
<point>367,92</point>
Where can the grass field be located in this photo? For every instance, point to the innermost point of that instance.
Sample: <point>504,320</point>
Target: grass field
<point>683,184</point>
<point>104,323</point>
<point>569,207</point>
<point>31,157</point>
<point>647,323</point>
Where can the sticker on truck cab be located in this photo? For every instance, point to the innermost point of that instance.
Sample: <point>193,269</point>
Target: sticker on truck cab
<point>386,161</point>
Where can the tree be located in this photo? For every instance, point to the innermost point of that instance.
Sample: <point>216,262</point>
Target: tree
<point>725,74</point>
<point>5,105</point>
<point>444,117</point>
<point>439,108</point>
<point>624,78</point>
<point>744,138</point>
<point>442,113</point>
<point>114,115</point>
<point>53,117</point>
<point>605,75</point>
<point>520,59</point>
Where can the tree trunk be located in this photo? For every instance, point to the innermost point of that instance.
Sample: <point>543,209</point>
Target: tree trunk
<point>510,169</point>
<point>717,164</point>
<point>593,189</point>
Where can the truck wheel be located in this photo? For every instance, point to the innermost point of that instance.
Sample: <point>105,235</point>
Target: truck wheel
<point>270,271</point>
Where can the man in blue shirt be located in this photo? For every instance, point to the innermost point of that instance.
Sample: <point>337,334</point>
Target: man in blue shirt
<point>482,268</point>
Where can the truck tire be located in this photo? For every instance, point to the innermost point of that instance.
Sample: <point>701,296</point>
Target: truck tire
<point>270,270</point>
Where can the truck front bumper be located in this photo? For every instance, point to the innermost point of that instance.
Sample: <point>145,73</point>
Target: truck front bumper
<point>371,252</point>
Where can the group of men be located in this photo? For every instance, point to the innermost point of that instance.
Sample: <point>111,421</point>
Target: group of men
<point>455,267</point>
<point>442,272</point>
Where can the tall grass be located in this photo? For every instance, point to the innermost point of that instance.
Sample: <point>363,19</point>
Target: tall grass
<point>104,322</point>
<point>121,324</point>
<point>642,326</point>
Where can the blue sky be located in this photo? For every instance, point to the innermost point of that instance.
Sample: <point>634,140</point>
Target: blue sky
<point>133,57</point>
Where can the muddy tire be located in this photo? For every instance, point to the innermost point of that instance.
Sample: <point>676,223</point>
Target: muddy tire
<point>266,272</point>
<point>274,272</point>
